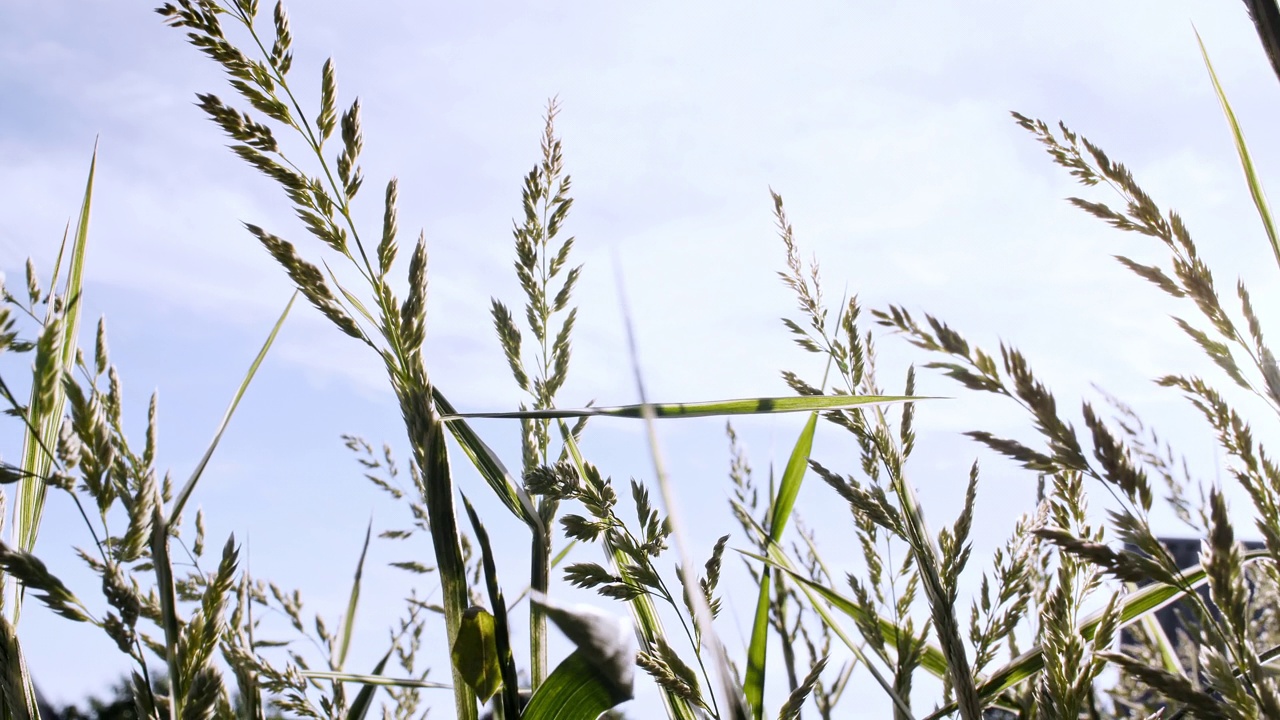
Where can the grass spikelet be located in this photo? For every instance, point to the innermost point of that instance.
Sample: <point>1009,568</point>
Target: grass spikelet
<point>32,573</point>
<point>309,280</point>
<point>387,246</point>
<point>671,673</point>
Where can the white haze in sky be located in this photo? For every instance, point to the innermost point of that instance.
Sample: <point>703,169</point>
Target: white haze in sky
<point>885,126</point>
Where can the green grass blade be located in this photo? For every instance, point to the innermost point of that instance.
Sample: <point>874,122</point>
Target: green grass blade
<point>353,600</point>
<point>792,477</point>
<point>364,699</point>
<point>490,467</point>
<point>187,489</point>
<point>163,568</point>
<point>645,615</point>
<point>1164,646</point>
<point>575,690</point>
<point>45,419</point>
<point>17,695</point>
<point>1135,606</point>
<point>505,661</point>
<point>782,505</point>
<point>351,298</point>
<point>757,650</point>
<point>432,455</point>
<point>932,658</point>
<point>1246,161</point>
<point>376,680</point>
<point>714,408</point>
<point>777,558</point>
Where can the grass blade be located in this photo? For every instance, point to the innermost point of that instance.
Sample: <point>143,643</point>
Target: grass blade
<point>575,690</point>
<point>1246,161</point>
<point>490,467</point>
<point>502,638</point>
<point>1135,606</point>
<point>777,558</point>
<point>714,408</point>
<point>432,455</point>
<point>45,417</point>
<point>169,623</point>
<point>375,680</point>
<point>932,659</point>
<point>645,615</point>
<point>782,505</point>
<point>181,500</point>
<point>349,619</point>
<point>555,562</point>
<point>17,695</point>
<point>364,699</point>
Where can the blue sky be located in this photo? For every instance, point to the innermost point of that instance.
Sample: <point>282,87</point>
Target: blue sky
<point>884,126</point>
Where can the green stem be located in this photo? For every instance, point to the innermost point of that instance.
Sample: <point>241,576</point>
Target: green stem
<point>540,580</point>
<point>426,433</point>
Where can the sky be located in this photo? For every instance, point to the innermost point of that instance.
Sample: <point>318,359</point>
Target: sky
<point>885,126</point>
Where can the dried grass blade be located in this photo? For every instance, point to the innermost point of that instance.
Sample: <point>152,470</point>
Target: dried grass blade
<point>181,500</point>
<point>1246,161</point>
<point>788,490</point>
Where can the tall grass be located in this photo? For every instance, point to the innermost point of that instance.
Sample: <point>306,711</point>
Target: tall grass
<point>900,616</point>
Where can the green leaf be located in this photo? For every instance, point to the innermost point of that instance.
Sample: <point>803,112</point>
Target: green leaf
<point>603,638</point>
<point>714,408</point>
<point>576,690</point>
<point>1246,162</point>
<point>187,489</point>
<point>782,505</point>
<point>475,653</point>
